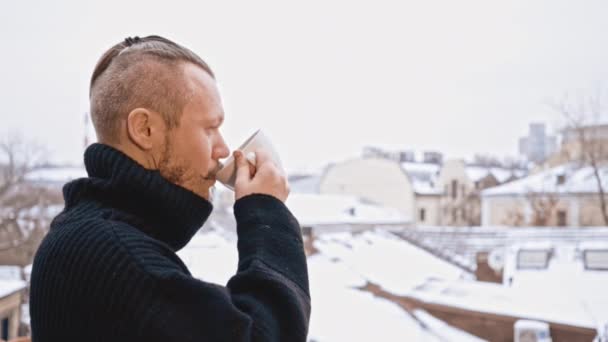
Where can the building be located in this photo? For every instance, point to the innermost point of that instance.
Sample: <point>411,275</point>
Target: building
<point>537,146</point>
<point>585,139</point>
<point>388,152</point>
<point>400,155</point>
<point>428,193</point>
<point>433,157</point>
<point>11,298</point>
<point>591,138</point>
<point>408,187</point>
<point>565,195</point>
<point>461,184</point>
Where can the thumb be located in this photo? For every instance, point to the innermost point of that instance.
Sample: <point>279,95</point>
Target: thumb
<point>242,167</point>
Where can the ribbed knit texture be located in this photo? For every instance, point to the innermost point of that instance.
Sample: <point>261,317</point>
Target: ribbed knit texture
<point>107,269</point>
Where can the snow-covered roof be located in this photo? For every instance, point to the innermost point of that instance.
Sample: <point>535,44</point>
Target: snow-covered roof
<point>576,180</point>
<point>491,298</point>
<point>563,291</point>
<point>304,184</point>
<point>476,173</point>
<point>425,187</point>
<point>10,280</point>
<point>373,254</point>
<point>325,209</point>
<point>56,174</point>
<point>8,272</point>
<point>421,169</point>
<point>345,262</point>
<point>8,287</point>
<point>423,177</point>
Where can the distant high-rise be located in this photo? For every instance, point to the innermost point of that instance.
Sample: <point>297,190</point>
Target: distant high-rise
<point>433,157</point>
<point>537,146</point>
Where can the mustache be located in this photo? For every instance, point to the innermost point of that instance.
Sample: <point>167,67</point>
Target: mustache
<point>213,172</point>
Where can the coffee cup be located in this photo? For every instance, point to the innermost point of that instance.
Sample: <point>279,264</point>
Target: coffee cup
<point>257,141</point>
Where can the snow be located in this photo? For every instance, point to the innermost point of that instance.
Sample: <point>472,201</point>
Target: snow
<point>8,287</point>
<point>501,300</point>
<point>425,187</point>
<point>476,173</point>
<point>563,292</point>
<point>577,180</point>
<point>25,314</point>
<point>421,168</point>
<point>342,313</point>
<point>372,255</point>
<point>346,262</point>
<point>27,270</point>
<point>423,177</point>
<point>305,184</point>
<point>10,272</point>
<point>211,257</point>
<point>317,209</point>
<point>444,331</point>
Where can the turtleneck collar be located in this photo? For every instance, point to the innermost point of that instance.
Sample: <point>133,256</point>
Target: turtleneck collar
<point>159,208</point>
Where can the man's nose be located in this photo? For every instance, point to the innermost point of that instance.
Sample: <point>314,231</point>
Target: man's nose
<point>221,150</point>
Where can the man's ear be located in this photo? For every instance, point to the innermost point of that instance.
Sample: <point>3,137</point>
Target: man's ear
<point>145,128</point>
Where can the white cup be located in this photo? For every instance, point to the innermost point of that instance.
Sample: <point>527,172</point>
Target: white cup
<point>257,141</point>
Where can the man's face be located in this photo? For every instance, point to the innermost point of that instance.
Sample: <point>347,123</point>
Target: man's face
<point>193,148</point>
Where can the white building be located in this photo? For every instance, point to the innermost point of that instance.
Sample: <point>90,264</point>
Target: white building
<point>408,187</point>
<point>565,195</point>
<point>461,184</point>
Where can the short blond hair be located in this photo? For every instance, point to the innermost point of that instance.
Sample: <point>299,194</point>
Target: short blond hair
<point>140,72</point>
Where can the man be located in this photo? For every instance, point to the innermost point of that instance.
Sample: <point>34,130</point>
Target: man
<point>107,270</point>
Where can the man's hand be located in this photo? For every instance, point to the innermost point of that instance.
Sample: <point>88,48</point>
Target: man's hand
<point>265,178</point>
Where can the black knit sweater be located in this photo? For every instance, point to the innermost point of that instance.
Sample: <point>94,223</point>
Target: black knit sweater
<point>107,270</point>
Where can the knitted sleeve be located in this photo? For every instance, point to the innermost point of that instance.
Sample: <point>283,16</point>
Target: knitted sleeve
<point>266,300</point>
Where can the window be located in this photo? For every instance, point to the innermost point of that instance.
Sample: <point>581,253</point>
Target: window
<point>454,215</point>
<point>422,214</point>
<point>4,329</point>
<point>561,218</point>
<point>561,179</point>
<point>462,190</point>
<point>533,258</point>
<point>596,259</point>
<point>454,188</point>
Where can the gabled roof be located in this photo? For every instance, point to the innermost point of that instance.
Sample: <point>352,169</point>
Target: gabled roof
<point>575,180</point>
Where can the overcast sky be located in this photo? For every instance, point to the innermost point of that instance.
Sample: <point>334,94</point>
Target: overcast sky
<point>323,78</point>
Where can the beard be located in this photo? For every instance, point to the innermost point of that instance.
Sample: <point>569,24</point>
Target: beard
<point>177,171</point>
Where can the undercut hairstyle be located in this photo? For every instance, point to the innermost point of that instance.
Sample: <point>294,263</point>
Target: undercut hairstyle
<point>138,72</point>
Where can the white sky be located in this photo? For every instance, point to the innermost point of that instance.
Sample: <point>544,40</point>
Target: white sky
<point>322,78</point>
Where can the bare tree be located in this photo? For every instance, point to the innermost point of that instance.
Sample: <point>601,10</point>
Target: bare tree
<point>584,140</point>
<point>22,206</point>
<point>543,206</point>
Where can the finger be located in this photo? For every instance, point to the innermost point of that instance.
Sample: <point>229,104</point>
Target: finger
<point>262,157</point>
<point>242,167</point>
<point>252,170</point>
